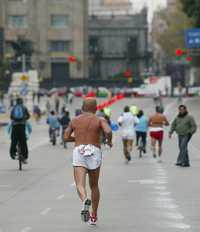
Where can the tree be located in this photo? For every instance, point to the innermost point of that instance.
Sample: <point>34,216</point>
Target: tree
<point>22,46</point>
<point>171,36</point>
<point>4,67</point>
<point>192,9</point>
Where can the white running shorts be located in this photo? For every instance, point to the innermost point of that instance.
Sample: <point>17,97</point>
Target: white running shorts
<point>87,156</point>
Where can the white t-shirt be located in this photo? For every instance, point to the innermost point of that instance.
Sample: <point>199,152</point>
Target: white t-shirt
<point>127,122</point>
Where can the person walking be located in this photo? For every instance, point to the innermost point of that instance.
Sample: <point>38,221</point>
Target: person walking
<point>185,126</point>
<point>127,123</point>
<point>156,123</point>
<point>19,116</point>
<point>87,156</point>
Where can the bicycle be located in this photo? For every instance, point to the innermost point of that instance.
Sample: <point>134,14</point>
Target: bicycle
<point>19,157</point>
<point>141,147</point>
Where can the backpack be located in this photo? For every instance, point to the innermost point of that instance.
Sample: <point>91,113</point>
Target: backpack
<point>18,113</point>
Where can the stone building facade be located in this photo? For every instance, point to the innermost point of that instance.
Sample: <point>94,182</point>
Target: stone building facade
<point>57,29</point>
<point>118,42</point>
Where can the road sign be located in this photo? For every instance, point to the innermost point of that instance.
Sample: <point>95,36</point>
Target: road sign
<point>24,78</point>
<point>192,38</point>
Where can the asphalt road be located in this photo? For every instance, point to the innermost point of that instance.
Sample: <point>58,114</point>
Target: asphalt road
<point>144,196</point>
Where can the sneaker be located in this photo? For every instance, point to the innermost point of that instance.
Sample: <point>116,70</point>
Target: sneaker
<point>93,220</point>
<point>85,214</point>
<point>25,161</point>
<point>154,156</point>
<point>185,165</point>
<point>129,157</point>
<point>178,164</point>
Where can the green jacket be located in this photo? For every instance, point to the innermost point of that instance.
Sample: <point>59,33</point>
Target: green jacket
<point>183,126</point>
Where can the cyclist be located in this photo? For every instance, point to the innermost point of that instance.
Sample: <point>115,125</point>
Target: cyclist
<point>127,123</point>
<point>141,129</point>
<point>19,116</point>
<point>87,156</point>
<point>54,124</point>
<point>64,121</point>
<point>156,123</point>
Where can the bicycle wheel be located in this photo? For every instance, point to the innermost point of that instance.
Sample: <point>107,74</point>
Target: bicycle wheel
<point>140,147</point>
<point>19,157</point>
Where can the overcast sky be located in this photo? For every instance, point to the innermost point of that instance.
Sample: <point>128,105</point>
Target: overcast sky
<point>152,5</point>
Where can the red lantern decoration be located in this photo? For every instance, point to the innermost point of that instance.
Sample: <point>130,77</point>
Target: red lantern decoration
<point>127,73</point>
<point>72,59</point>
<point>189,59</point>
<point>179,52</point>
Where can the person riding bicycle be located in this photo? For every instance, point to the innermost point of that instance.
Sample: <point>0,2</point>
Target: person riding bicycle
<point>53,123</point>
<point>19,116</point>
<point>141,129</point>
<point>64,121</point>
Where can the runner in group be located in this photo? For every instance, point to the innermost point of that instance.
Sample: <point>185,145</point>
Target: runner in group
<point>156,123</point>
<point>87,156</point>
<point>127,123</point>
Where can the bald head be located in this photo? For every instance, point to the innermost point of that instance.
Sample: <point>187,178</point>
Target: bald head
<point>89,105</point>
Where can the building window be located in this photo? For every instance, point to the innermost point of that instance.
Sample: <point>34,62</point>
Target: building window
<point>17,21</point>
<point>59,46</point>
<point>59,21</point>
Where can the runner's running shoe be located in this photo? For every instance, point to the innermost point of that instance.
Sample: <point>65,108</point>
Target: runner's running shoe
<point>85,214</point>
<point>93,219</point>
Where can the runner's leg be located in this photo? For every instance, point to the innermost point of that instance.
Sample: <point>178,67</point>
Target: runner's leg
<point>160,147</point>
<point>153,147</point>
<point>80,180</point>
<point>95,193</point>
<point>125,148</point>
<point>129,145</point>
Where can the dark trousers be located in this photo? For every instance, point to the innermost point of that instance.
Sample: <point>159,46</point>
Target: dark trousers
<point>183,157</point>
<point>18,137</point>
<point>143,135</point>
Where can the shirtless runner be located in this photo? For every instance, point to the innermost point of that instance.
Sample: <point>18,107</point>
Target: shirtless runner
<point>87,156</point>
<point>156,123</point>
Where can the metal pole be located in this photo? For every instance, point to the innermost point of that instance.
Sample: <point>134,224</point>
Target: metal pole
<point>23,63</point>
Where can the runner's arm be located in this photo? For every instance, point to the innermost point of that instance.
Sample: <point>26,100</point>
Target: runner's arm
<point>107,131</point>
<point>68,134</point>
<point>166,122</point>
<point>150,122</point>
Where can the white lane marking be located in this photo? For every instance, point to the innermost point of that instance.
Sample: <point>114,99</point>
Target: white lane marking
<point>162,193</point>
<point>45,211</point>
<point>161,182</point>
<point>60,197</point>
<point>26,229</point>
<point>160,187</point>
<point>175,216</point>
<point>4,186</point>
<point>148,181</point>
<point>162,177</point>
<point>164,199</point>
<point>166,205</point>
<point>179,226</point>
